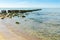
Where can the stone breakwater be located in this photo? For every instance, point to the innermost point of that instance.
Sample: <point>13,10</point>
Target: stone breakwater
<point>18,11</point>
<point>13,13</point>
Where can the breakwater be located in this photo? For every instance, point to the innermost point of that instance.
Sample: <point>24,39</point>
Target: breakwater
<point>18,11</point>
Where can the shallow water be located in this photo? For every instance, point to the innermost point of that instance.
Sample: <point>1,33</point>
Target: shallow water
<point>44,24</point>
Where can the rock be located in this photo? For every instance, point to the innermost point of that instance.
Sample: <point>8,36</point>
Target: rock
<point>17,23</point>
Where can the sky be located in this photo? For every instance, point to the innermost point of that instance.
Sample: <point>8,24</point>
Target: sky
<point>29,3</point>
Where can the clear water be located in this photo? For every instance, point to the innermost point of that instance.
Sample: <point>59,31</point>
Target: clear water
<point>46,15</point>
<point>45,23</point>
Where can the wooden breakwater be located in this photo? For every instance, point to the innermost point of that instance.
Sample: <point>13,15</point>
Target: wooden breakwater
<point>18,11</point>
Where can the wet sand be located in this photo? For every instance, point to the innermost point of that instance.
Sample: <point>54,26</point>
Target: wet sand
<point>8,32</point>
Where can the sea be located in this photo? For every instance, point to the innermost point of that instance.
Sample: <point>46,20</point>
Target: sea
<point>45,14</point>
<point>40,24</point>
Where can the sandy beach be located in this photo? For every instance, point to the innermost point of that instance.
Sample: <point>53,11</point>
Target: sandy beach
<point>9,32</point>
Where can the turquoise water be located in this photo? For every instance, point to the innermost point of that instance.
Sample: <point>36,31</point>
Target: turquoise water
<point>44,15</point>
<point>41,24</point>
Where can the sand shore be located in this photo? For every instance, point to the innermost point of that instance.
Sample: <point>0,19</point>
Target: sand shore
<point>8,32</point>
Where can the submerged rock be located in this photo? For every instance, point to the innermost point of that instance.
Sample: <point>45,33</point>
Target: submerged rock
<point>17,23</point>
<point>2,18</point>
<point>23,16</point>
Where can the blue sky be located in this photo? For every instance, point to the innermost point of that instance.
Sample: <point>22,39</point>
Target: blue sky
<point>30,3</point>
